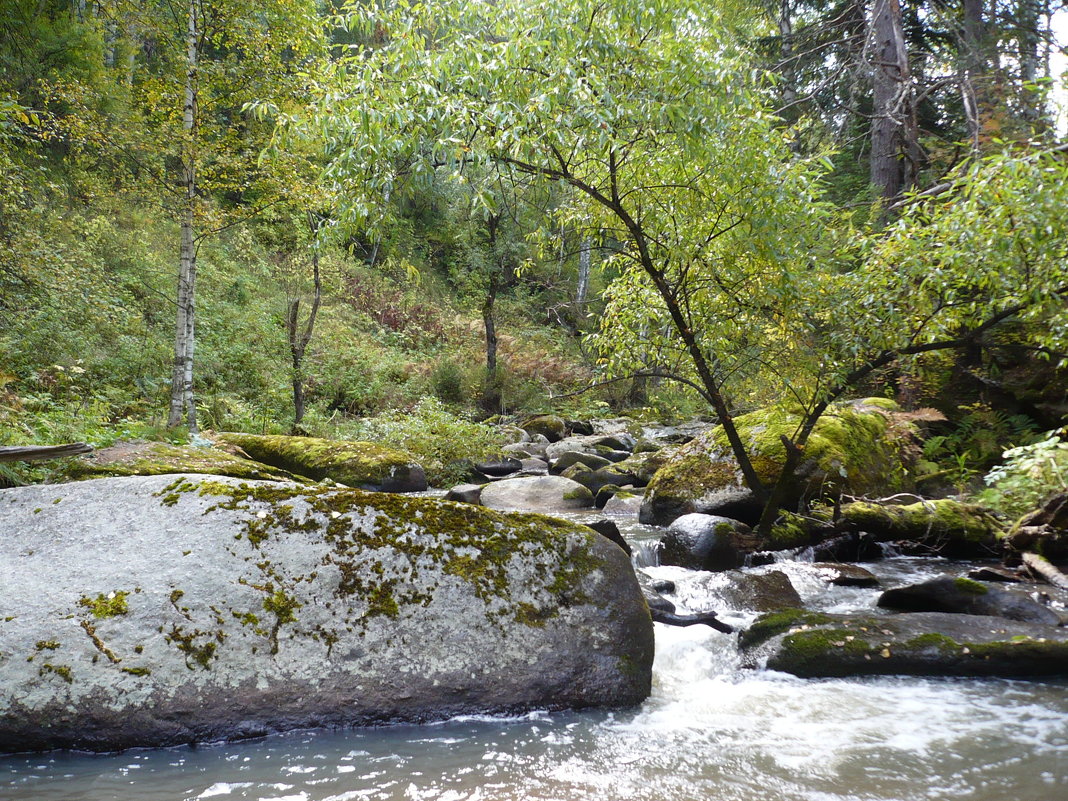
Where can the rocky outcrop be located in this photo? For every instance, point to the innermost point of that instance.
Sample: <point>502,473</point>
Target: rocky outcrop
<point>161,458</point>
<point>967,597</point>
<point>811,644</point>
<point>858,448</point>
<point>363,465</point>
<point>163,610</point>
<point>536,494</point>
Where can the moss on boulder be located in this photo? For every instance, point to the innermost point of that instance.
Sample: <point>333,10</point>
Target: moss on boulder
<point>240,608</point>
<point>949,526</point>
<point>550,426</point>
<point>918,644</point>
<point>363,465</point>
<point>858,448</point>
<point>160,458</point>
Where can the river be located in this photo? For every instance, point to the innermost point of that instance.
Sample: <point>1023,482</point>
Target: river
<point>711,730</point>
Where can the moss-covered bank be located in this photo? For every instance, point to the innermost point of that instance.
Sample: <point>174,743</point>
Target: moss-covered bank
<point>363,465</point>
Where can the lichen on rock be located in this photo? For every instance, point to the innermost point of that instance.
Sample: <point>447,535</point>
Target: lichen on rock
<point>262,606</point>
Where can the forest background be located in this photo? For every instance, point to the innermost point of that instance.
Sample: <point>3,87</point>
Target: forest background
<point>348,200</point>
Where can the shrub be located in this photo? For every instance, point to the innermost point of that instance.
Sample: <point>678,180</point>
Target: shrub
<point>1029,475</point>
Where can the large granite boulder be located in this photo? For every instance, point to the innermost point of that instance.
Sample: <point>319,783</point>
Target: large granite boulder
<point>537,494</point>
<point>363,465</point>
<point>153,611</point>
<point>812,644</point>
<point>858,448</point>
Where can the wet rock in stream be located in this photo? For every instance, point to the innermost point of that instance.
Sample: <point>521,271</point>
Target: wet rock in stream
<point>812,644</point>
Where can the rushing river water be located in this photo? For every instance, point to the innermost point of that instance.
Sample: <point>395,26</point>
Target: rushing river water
<point>711,730</point>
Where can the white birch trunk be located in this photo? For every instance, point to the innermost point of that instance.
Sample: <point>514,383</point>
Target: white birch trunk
<point>182,398</point>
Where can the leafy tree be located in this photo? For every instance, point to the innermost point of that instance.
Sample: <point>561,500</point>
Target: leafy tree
<point>655,116</point>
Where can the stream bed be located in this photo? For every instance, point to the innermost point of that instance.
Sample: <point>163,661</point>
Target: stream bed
<point>712,729</point>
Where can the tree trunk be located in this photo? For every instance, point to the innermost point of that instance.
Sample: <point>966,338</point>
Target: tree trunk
<point>491,386</point>
<point>974,68</point>
<point>582,288</point>
<point>895,153</point>
<point>1028,37</point>
<point>182,398</point>
<point>788,67</point>
<point>298,339</point>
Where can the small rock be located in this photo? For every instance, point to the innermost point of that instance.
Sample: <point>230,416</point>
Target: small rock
<point>989,573</point>
<point>465,493</point>
<point>842,575</point>
<point>499,467</point>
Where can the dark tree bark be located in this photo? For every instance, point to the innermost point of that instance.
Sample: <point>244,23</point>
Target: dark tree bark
<point>501,276</point>
<point>895,151</point>
<point>298,337</point>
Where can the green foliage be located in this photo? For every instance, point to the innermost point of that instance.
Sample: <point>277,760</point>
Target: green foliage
<point>976,441</point>
<point>444,443</point>
<point>1029,475</point>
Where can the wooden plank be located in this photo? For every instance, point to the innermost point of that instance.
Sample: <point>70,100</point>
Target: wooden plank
<point>38,453</point>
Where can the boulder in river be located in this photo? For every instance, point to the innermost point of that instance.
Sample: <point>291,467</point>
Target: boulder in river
<point>741,591</point>
<point>813,644</point>
<point>153,611</point>
<point>537,494</point>
<point>706,542</point>
<point>858,448</point>
<point>967,597</point>
<point>465,493</point>
<point>550,426</point>
<point>363,465</point>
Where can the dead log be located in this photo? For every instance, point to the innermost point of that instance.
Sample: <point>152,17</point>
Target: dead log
<point>40,453</point>
<point>1042,567</point>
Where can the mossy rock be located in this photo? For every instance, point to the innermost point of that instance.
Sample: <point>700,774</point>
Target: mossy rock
<point>857,448</point>
<point>810,644</point>
<point>550,426</point>
<point>363,465</point>
<point>234,609</point>
<point>160,458</point>
<point>952,528</point>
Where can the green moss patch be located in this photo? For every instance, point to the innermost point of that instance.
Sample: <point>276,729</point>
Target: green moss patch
<point>941,518</point>
<point>477,545</point>
<point>159,458</point>
<point>859,448</point>
<point>356,464</point>
<point>105,606</point>
<point>771,625</point>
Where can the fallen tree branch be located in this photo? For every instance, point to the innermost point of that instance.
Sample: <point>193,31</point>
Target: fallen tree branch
<point>1045,569</point>
<point>40,453</point>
